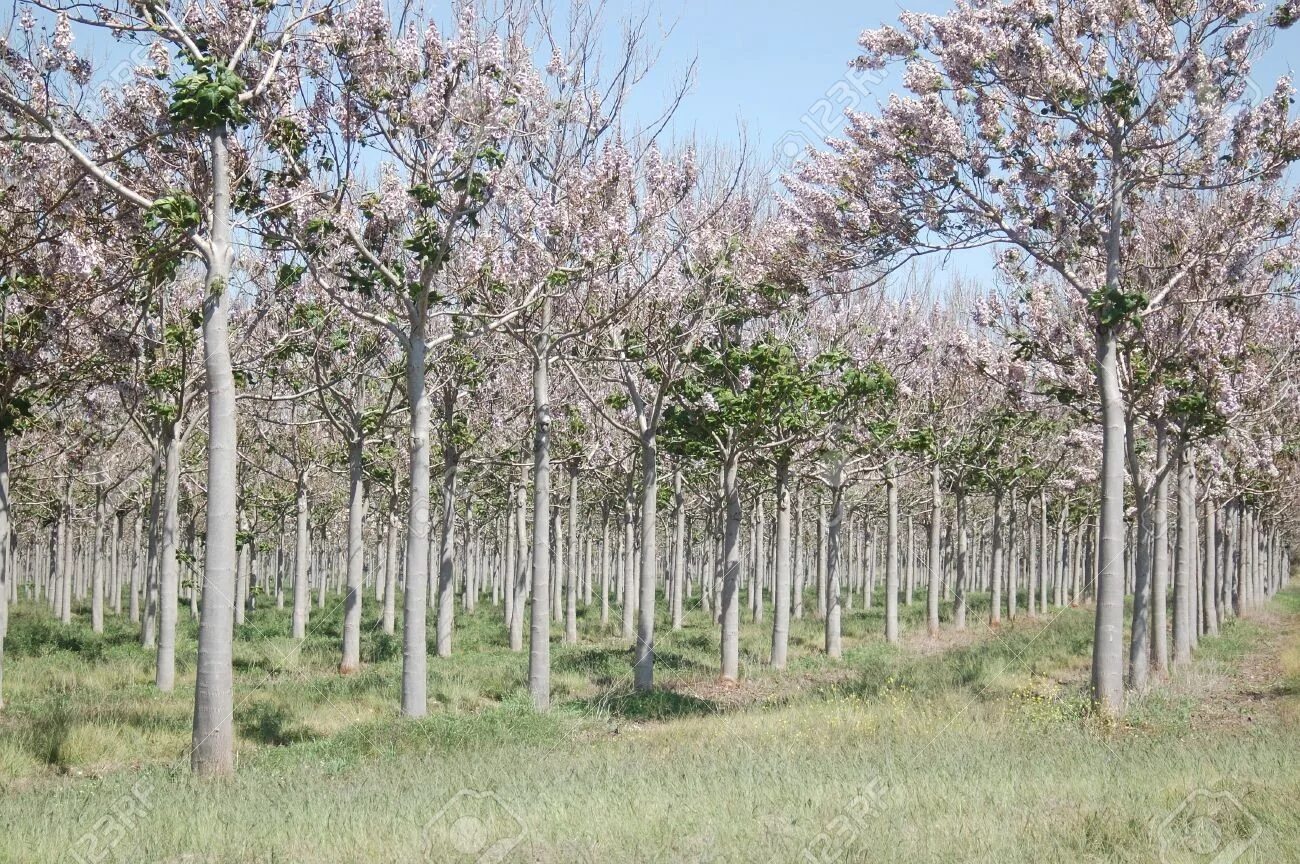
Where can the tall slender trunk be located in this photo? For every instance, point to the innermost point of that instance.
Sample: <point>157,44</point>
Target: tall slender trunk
<point>137,564</point>
<point>629,551</point>
<point>643,654</point>
<point>522,563</point>
<point>1160,558</point>
<point>834,646</point>
<point>571,578</point>
<point>781,592</point>
<point>96,566</point>
<point>961,581</point>
<point>301,562</point>
<point>415,647</point>
<point>149,624</point>
<point>935,563</point>
<point>390,569</point>
<point>1140,635</point>
<point>244,564</point>
<point>604,569</point>
<point>356,557</point>
<point>539,637</point>
<point>823,528</point>
<point>214,732</point>
<point>447,552</point>
<point>679,549</point>
<point>1209,574</point>
<point>728,607</point>
<point>1108,634</point>
<point>891,555</point>
<point>7,566</point>
<point>1183,559</point>
<point>169,577</point>
<point>995,565</point>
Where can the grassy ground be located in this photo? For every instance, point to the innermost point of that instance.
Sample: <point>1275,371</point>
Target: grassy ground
<point>977,746</point>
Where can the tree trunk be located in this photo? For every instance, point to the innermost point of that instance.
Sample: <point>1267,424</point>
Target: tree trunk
<point>834,647</point>
<point>539,637</point>
<point>7,569</point>
<point>169,577</point>
<point>96,566</point>
<point>414,601</point>
<point>571,580</point>
<point>891,555</point>
<point>301,561</point>
<point>447,552</point>
<point>679,550</point>
<point>1160,559</point>
<point>936,554</point>
<point>643,655</point>
<point>960,582</point>
<point>214,732</point>
<point>1183,559</point>
<point>995,564</point>
<point>356,558</point>
<point>729,601</point>
<point>1210,572</point>
<point>781,594</point>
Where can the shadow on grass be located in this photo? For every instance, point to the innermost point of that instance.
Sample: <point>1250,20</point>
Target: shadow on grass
<point>653,705</point>
<point>270,724</point>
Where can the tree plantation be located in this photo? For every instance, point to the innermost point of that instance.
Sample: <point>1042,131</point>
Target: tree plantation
<point>416,444</point>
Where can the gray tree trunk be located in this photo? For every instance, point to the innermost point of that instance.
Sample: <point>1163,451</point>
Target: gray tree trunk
<point>571,578</point>
<point>781,594</point>
<point>214,731</point>
<point>679,550</point>
<point>728,605</point>
<point>1183,560</point>
<point>1160,559</point>
<point>169,577</point>
<point>446,554</point>
<point>891,555</point>
<point>300,561</point>
<point>356,558</point>
<point>834,645</point>
<point>935,562</point>
<point>415,648</point>
<point>539,637</point>
<point>643,654</point>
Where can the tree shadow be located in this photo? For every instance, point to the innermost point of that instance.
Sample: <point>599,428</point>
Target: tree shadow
<point>270,724</point>
<point>651,705</point>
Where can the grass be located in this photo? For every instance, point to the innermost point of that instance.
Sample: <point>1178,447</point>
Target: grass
<point>977,747</point>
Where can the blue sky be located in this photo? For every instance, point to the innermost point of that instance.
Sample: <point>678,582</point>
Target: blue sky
<point>777,72</point>
<point>766,63</point>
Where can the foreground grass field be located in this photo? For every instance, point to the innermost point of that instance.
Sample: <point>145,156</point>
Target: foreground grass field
<point>976,747</point>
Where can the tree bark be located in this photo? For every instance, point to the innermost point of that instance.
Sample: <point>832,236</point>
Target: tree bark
<point>539,637</point>
<point>214,733</point>
<point>1160,559</point>
<point>356,558</point>
<point>301,561</point>
<point>446,553</point>
<point>643,655</point>
<point>781,594</point>
<point>415,646</point>
<point>729,601</point>
<point>169,577</point>
<point>935,563</point>
<point>834,646</point>
<point>891,555</point>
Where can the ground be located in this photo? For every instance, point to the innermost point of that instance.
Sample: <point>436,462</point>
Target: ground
<point>974,747</point>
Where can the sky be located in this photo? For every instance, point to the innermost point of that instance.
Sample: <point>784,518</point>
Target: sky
<point>775,73</point>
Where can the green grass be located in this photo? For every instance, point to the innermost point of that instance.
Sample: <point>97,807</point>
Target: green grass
<point>975,748</point>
